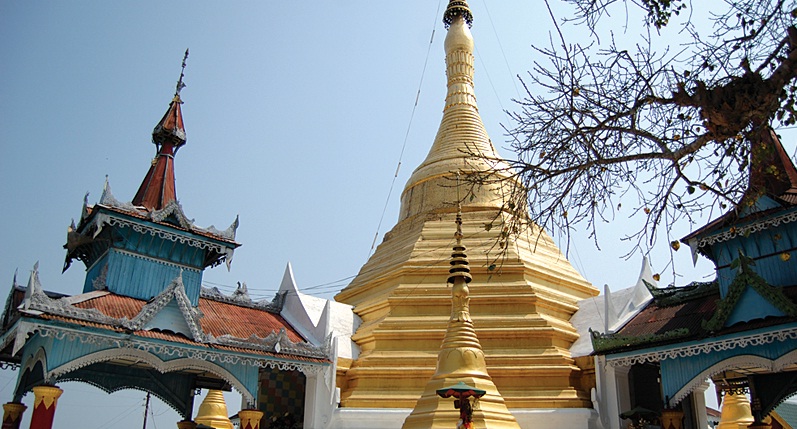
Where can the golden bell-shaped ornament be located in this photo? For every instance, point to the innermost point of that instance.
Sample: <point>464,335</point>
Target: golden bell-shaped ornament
<point>213,411</point>
<point>736,413</point>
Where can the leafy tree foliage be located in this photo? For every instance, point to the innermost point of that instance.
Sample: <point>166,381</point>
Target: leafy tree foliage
<point>655,130</point>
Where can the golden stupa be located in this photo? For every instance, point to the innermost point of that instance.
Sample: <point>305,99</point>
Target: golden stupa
<point>460,359</point>
<point>522,302</point>
<point>213,411</point>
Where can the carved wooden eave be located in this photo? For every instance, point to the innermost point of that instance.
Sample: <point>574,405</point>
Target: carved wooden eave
<point>37,303</point>
<point>169,223</point>
<point>174,292</point>
<point>698,242</point>
<point>707,347</point>
<point>240,298</point>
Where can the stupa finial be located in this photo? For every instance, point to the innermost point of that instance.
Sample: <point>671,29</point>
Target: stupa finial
<point>459,259</point>
<point>457,8</point>
<point>180,84</point>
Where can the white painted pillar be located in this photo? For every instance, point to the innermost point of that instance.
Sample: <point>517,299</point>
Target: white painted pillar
<point>614,395</point>
<point>699,406</point>
<point>623,393</point>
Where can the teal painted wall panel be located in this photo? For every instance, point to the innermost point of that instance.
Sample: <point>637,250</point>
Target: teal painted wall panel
<point>156,247</point>
<point>143,278</point>
<point>170,318</point>
<point>93,273</point>
<point>766,248</point>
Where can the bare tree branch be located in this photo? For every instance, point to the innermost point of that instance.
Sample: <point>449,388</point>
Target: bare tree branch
<point>666,133</point>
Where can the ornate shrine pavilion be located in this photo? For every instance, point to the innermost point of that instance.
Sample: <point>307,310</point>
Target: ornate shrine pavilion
<point>144,321</point>
<point>740,330</point>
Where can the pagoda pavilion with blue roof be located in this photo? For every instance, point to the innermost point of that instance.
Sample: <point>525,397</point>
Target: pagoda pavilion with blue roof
<point>740,330</point>
<point>143,319</point>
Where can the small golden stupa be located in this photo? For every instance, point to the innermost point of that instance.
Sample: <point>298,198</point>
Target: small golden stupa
<point>735,413</point>
<point>461,359</point>
<point>213,411</point>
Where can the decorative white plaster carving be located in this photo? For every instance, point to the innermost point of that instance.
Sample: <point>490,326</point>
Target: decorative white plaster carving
<point>228,233</point>
<point>107,198</point>
<point>754,227</point>
<point>155,362</point>
<point>175,291</point>
<point>239,300</point>
<point>100,282</point>
<point>172,208</point>
<point>707,347</point>
<point>178,351</point>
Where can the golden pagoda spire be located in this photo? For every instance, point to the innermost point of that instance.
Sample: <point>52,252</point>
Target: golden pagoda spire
<point>523,309</point>
<point>461,359</point>
<point>462,143</point>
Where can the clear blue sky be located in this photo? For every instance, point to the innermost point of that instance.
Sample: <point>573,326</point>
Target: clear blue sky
<point>296,115</point>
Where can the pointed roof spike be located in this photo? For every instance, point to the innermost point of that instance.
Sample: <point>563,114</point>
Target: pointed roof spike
<point>771,170</point>
<point>34,287</point>
<point>158,188</point>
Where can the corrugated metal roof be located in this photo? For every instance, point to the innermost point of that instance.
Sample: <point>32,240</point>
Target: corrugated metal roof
<point>654,321</point>
<point>242,322</point>
<point>788,412</point>
<point>219,318</point>
<point>113,305</point>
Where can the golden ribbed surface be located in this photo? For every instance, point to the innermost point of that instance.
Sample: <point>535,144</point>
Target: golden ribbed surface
<point>520,310</point>
<point>735,412</point>
<point>461,144</point>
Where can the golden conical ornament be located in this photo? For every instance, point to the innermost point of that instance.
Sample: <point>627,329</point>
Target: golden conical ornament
<point>213,411</point>
<point>735,413</point>
<point>460,359</point>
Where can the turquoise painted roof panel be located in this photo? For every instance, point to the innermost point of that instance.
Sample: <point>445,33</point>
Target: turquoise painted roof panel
<point>140,277</point>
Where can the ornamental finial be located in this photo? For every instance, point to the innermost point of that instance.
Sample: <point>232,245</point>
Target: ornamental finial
<point>457,8</point>
<point>180,84</point>
<point>459,259</point>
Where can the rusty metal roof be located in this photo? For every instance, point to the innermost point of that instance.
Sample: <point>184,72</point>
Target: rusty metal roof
<point>219,318</point>
<point>654,324</point>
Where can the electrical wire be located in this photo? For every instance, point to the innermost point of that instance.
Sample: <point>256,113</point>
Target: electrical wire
<point>406,134</point>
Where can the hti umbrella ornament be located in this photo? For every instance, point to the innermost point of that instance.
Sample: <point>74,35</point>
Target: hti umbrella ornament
<point>462,392</point>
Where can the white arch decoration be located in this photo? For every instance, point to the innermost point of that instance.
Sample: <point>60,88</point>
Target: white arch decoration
<point>782,362</point>
<point>156,363</point>
<point>39,356</point>
<point>730,363</point>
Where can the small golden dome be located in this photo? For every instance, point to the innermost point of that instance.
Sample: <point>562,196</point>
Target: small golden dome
<point>213,411</point>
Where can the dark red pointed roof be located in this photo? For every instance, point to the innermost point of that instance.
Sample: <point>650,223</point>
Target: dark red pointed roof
<point>158,188</point>
<point>772,173</point>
